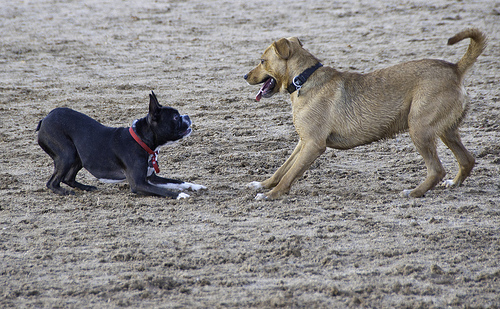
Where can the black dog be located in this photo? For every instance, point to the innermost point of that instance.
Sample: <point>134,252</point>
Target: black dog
<point>74,140</point>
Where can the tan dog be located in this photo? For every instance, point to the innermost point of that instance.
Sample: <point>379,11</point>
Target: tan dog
<point>343,110</point>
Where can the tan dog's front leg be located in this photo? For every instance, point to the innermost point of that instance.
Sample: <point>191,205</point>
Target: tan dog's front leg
<point>304,155</point>
<point>276,178</point>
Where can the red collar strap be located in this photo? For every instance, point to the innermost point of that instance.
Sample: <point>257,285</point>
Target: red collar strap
<point>154,154</point>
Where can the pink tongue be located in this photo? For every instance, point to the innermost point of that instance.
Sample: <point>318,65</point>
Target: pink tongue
<point>262,89</point>
<point>258,96</point>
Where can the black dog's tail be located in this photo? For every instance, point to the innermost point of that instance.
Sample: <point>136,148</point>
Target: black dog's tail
<point>39,125</point>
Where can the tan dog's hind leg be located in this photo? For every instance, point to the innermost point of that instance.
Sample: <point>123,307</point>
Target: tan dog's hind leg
<point>305,154</point>
<point>425,142</point>
<point>465,160</point>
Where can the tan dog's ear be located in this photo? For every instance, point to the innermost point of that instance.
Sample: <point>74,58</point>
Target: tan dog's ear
<point>294,39</point>
<point>283,48</point>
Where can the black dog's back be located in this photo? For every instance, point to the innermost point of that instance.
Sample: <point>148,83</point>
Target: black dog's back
<point>65,119</point>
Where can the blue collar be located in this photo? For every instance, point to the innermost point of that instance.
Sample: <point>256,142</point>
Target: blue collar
<point>300,79</point>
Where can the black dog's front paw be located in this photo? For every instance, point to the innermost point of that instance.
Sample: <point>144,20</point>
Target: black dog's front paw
<point>182,196</point>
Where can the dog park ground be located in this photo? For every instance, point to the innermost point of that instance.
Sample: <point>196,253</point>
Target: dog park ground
<point>343,237</point>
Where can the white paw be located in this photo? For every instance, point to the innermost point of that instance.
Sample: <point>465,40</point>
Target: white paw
<point>260,197</point>
<point>182,196</point>
<point>449,183</point>
<point>406,193</point>
<point>254,185</point>
<point>192,186</point>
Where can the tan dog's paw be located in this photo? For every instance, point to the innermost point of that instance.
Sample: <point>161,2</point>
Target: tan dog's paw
<point>255,185</point>
<point>449,183</point>
<point>415,193</point>
<point>406,193</point>
<point>261,197</point>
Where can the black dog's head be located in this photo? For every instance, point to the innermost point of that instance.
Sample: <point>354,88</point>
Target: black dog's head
<point>166,123</point>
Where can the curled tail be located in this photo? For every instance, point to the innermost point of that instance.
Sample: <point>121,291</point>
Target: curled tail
<point>476,47</point>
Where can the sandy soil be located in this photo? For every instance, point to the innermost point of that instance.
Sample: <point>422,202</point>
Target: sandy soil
<point>343,237</point>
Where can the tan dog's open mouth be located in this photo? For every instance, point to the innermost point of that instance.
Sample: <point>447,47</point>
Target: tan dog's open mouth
<point>267,90</point>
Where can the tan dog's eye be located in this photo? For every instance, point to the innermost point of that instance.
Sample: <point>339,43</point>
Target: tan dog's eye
<point>262,61</point>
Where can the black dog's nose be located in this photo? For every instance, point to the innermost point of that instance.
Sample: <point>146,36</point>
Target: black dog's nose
<point>246,76</point>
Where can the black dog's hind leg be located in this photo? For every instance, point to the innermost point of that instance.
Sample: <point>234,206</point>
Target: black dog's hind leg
<point>69,179</point>
<point>61,168</point>
<point>64,154</point>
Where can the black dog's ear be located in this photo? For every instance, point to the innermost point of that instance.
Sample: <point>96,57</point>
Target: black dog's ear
<point>154,107</point>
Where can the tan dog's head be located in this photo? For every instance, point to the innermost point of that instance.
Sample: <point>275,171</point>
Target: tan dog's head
<point>274,67</point>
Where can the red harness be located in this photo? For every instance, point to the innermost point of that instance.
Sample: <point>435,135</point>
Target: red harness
<point>154,154</point>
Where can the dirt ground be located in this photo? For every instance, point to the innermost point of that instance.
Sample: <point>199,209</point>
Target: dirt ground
<point>343,237</point>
